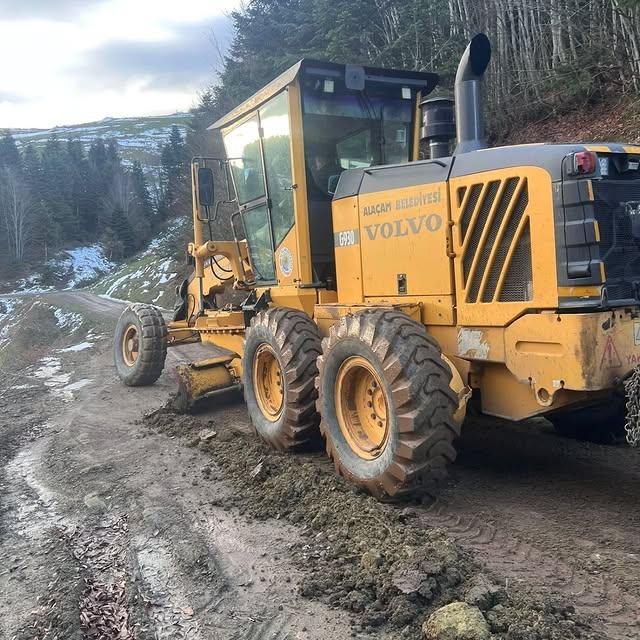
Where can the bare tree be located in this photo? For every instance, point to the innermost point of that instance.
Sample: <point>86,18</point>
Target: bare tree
<point>17,212</point>
<point>120,194</point>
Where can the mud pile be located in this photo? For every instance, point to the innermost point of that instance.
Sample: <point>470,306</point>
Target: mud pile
<point>362,555</point>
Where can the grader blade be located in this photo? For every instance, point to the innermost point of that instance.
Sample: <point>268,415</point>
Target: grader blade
<point>198,379</point>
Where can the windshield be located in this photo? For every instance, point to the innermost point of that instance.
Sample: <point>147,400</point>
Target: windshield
<point>345,129</point>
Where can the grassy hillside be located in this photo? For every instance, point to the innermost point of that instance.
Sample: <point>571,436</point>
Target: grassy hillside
<point>152,275</point>
<point>139,138</point>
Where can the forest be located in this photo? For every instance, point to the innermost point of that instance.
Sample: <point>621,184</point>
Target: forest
<point>548,55</point>
<point>65,195</point>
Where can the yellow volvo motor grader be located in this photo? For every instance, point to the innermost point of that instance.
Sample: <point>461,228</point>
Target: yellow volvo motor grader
<point>381,290</point>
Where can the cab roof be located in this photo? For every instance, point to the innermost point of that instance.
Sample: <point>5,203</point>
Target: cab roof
<point>422,80</point>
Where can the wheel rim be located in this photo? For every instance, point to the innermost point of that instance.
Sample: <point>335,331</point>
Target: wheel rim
<point>130,345</point>
<point>362,408</point>
<point>268,382</point>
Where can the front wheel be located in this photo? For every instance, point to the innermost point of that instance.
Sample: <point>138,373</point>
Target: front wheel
<point>387,410</point>
<point>279,372</point>
<point>140,345</point>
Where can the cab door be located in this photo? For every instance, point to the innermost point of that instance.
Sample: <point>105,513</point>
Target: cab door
<point>259,153</point>
<point>244,151</point>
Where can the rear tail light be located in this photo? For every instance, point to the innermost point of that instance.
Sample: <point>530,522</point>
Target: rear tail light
<point>584,162</point>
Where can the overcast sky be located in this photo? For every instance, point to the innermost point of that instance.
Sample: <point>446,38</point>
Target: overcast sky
<point>73,61</point>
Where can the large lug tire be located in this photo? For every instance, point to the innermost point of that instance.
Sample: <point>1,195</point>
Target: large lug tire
<point>601,424</point>
<point>384,363</point>
<point>140,345</point>
<point>279,371</point>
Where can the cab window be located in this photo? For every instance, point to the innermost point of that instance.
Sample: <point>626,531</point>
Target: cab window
<point>256,224</point>
<point>243,150</point>
<point>274,119</point>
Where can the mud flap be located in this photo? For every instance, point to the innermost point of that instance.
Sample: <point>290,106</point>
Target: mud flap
<point>199,379</point>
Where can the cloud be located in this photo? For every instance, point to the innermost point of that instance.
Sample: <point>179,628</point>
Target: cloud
<point>14,98</point>
<point>188,60</point>
<point>45,9</point>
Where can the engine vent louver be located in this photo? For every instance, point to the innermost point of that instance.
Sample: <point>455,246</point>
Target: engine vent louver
<point>496,242</point>
<point>472,201</point>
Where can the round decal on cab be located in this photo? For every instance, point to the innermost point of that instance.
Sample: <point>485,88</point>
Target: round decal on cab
<point>286,261</point>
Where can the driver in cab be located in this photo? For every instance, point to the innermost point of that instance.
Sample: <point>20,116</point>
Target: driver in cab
<point>324,167</point>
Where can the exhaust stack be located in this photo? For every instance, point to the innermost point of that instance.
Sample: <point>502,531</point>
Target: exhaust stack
<point>468,95</point>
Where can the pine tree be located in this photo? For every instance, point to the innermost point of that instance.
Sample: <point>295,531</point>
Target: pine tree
<point>123,232</point>
<point>141,195</point>
<point>42,237</point>
<point>9,154</point>
<point>141,214</point>
<point>174,174</point>
<point>57,188</point>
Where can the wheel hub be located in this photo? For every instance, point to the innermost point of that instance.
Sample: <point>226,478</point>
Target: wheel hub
<point>130,345</point>
<point>362,407</point>
<point>268,382</point>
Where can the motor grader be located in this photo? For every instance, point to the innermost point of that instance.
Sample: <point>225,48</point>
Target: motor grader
<point>386,279</point>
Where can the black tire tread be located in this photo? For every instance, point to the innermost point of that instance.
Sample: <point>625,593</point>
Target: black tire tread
<point>297,339</point>
<point>153,344</point>
<point>423,399</point>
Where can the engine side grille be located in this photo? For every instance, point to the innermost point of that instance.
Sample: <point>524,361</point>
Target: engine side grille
<point>496,259</point>
<point>617,210</point>
<point>518,279</point>
<point>472,201</point>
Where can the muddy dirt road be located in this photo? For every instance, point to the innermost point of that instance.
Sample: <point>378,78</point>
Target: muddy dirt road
<point>149,529</point>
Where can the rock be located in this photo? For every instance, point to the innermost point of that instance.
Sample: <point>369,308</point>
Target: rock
<point>95,503</point>
<point>482,593</point>
<point>498,619</point>
<point>321,519</point>
<point>207,434</point>
<point>260,472</point>
<point>456,621</point>
<point>370,560</point>
<point>408,581</point>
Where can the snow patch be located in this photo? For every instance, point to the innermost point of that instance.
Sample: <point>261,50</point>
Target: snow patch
<point>8,319</point>
<point>164,278</point>
<point>68,319</point>
<point>70,269</point>
<point>77,347</point>
<point>6,307</point>
<point>50,372</point>
<point>31,284</point>
<point>86,264</point>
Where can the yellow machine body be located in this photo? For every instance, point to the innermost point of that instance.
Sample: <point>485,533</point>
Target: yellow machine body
<point>472,246</point>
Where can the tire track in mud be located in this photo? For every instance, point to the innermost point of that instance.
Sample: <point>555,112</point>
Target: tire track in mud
<point>516,559</point>
<point>200,574</point>
<point>553,513</point>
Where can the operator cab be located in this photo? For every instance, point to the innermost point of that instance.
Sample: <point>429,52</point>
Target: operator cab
<point>287,146</point>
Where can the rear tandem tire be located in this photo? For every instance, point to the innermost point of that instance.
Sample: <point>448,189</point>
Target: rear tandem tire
<point>140,345</point>
<point>380,369</point>
<point>278,374</point>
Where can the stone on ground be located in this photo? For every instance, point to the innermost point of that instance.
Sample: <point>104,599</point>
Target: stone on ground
<point>456,621</point>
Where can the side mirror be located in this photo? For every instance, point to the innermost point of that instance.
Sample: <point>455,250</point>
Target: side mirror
<point>206,190</point>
